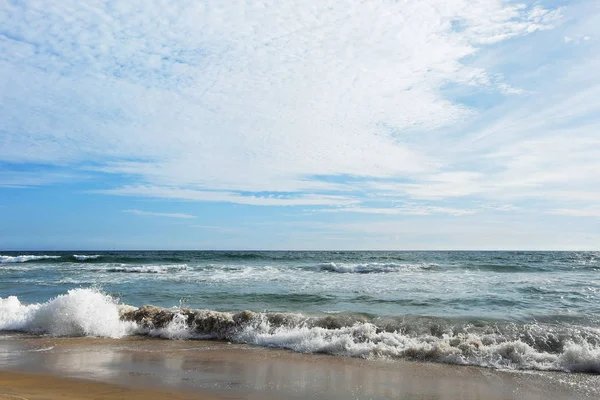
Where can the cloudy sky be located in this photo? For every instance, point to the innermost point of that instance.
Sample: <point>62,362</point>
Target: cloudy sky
<point>378,124</point>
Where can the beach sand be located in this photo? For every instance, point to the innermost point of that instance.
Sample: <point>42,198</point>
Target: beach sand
<point>138,367</point>
<point>20,386</point>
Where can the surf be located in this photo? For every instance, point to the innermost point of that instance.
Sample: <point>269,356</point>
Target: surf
<point>495,344</point>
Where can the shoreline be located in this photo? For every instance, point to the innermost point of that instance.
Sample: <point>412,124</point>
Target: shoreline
<point>217,370</point>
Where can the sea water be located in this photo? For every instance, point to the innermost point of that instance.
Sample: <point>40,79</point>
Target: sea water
<point>515,310</point>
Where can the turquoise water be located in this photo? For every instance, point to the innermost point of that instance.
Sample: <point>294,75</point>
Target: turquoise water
<point>545,300</point>
<point>503,285</point>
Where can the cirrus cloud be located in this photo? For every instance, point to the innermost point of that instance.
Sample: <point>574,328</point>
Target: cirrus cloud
<point>159,214</point>
<point>243,96</point>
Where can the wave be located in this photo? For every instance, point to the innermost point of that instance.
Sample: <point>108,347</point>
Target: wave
<point>80,312</point>
<point>243,255</point>
<point>25,258</point>
<point>139,260</point>
<point>489,345</point>
<point>88,312</point>
<point>81,257</point>
<point>146,269</point>
<point>504,267</point>
<point>368,268</point>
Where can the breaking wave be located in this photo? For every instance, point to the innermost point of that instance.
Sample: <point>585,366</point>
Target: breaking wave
<point>368,268</point>
<point>80,257</point>
<point>146,269</point>
<point>506,268</point>
<point>24,258</point>
<point>80,312</point>
<point>88,312</point>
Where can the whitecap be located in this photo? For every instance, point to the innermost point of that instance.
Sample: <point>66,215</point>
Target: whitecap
<point>81,257</point>
<point>367,268</point>
<point>24,258</point>
<point>147,269</point>
<point>80,312</point>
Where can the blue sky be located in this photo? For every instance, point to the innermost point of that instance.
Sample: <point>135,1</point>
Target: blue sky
<point>447,124</point>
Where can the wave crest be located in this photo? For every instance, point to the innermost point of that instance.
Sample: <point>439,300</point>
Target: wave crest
<point>25,258</point>
<point>88,312</point>
<point>368,268</point>
<point>79,312</point>
<point>510,346</point>
<point>146,269</point>
<point>84,257</point>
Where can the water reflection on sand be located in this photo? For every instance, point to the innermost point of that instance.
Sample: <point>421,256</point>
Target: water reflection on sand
<point>241,371</point>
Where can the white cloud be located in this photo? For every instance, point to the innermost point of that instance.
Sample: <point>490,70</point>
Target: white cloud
<point>336,106</point>
<point>501,207</point>
<point>231,197</point>
<point>25,179</point>
<point>578,212</point>
<point>158,214</point>
<point>507,89</point>
<point>220,99</point>
<point>406,209</point>
<point>576,40</point>
<point>214,228</point>
<point>473,232</point>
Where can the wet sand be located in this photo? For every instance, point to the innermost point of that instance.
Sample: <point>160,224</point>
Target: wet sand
<point>137,367</point>
<point>27,386</point>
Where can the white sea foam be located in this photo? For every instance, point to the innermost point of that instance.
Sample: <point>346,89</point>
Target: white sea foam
<point>366,340</point>
<point>43,349</point>
<point>147,269</point>
<point>177,329</point>
<point>545,350</point>
<point>80,257</point>
<point>366,268</point>
<point>24,258</point>
<point>580,358</point>
<point>88,312</point>
<point>80,312</point>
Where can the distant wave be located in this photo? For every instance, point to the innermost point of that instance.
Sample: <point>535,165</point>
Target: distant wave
<point>367,268</point>
<point>80,257</point>
<point>87,312</point>
<point>503,267</point>
<point>243,255</point>
<point>146,269</point>
<point>24,258</point>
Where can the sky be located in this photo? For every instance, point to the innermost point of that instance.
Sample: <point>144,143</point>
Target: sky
<point>380,124</point>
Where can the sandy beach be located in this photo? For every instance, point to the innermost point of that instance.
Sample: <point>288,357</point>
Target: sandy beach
<point>138,367</point>
<point>20,386</point>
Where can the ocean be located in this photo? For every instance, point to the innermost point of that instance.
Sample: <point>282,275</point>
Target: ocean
<point>508,310</point>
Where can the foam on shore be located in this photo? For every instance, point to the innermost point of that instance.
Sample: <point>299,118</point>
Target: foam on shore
<point>88,312</point>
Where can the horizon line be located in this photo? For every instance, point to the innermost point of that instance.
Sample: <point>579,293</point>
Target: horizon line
<point>296,250</point>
